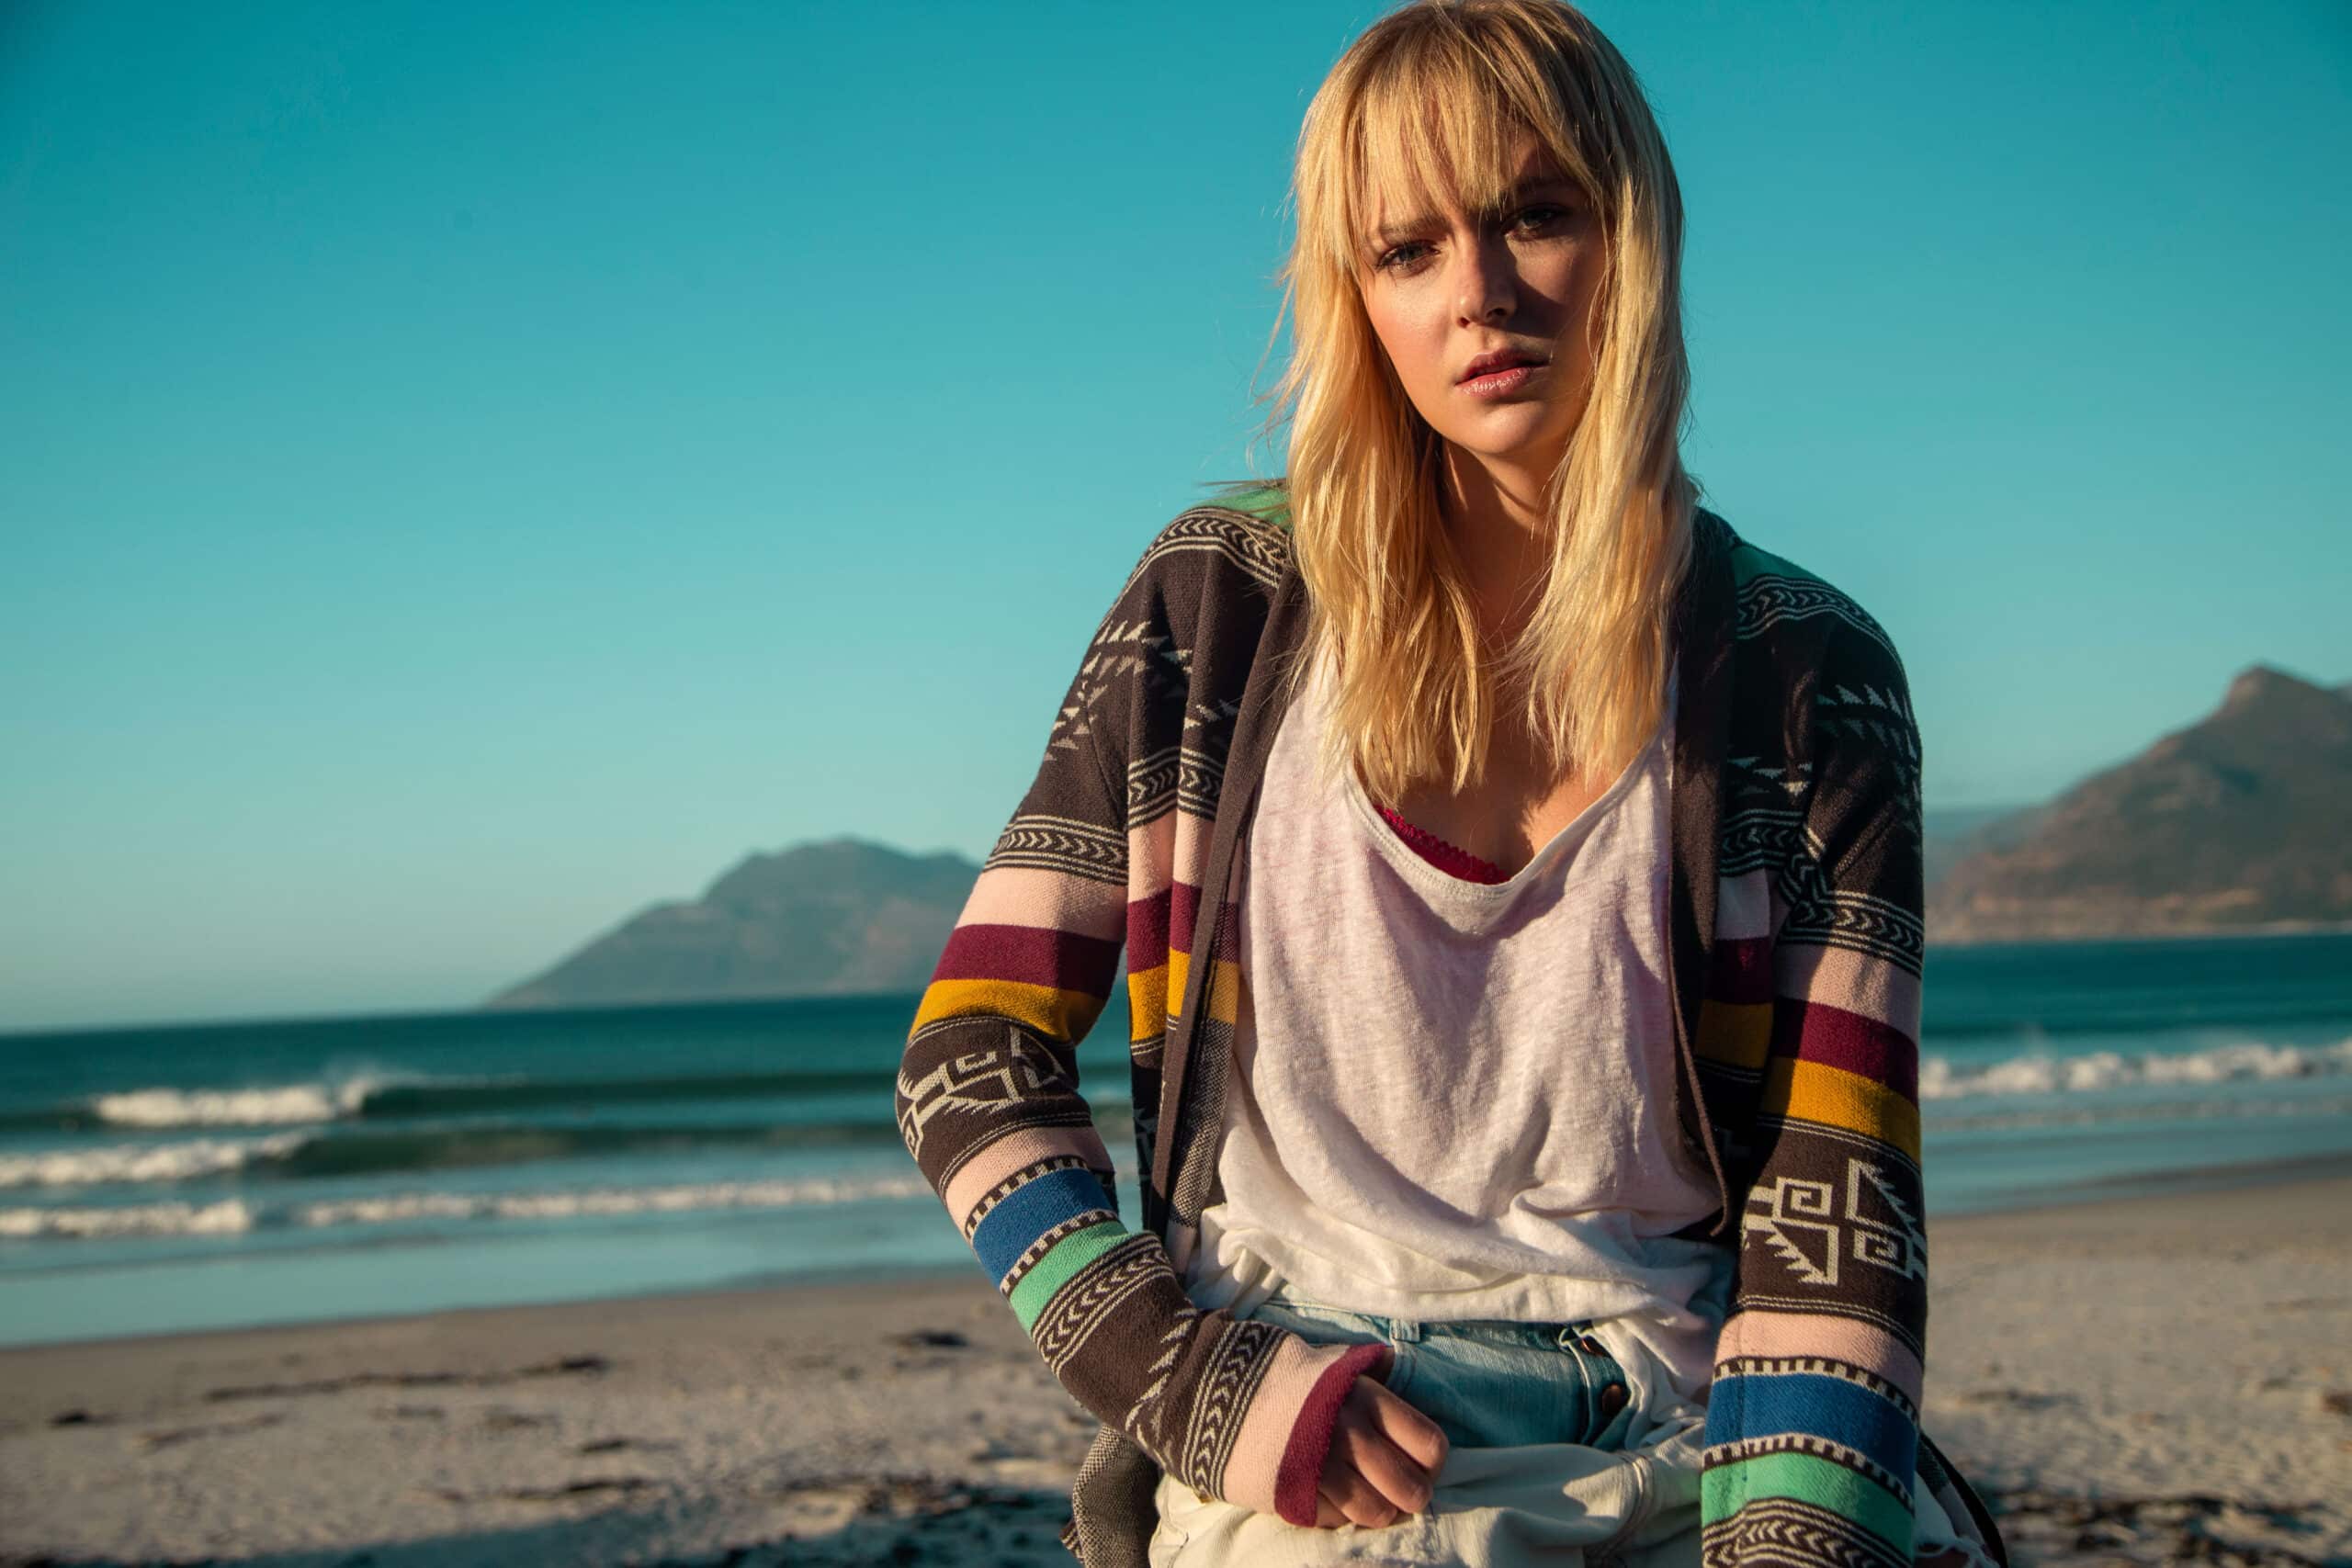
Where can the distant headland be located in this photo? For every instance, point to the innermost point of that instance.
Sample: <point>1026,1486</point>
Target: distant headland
<point>2240,822</point>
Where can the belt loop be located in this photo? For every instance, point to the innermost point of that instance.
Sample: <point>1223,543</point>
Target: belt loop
<point>1404,1330</point>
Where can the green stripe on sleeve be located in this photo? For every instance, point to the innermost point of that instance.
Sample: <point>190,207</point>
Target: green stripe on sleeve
<point>1808,1478</point>
<point>1054,1270</point>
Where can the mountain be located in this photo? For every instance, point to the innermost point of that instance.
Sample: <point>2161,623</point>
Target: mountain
<point>1952,834</point>
<point>816,920</point>
<point>2240,821</point>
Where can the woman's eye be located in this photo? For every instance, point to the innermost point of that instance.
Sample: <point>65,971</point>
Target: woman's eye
<point>1527,219</point>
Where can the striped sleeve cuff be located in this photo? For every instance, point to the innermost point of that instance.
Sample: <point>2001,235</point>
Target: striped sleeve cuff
<point>1296,1478</point>
<point>1810,1456</point>
<point>1260,1402</point>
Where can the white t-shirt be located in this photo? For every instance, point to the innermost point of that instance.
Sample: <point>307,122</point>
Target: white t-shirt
<point>1451,1100</point>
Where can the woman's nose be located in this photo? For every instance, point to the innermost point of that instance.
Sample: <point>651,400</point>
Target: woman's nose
<point>1485,289</point>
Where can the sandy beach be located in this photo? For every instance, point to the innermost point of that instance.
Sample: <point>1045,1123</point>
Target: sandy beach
<point>2143,1379</point>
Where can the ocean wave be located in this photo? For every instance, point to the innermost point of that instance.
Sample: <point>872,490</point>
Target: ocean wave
<point>387,1096</point>
<point>236,1216</point>
<point>2118,1116</point>
<point>186,1161</point>
<point>288,1104</point>
<point>684,1196</point>
<point>231,1217</point>
<point>330,1153</point>
<point>2104,1071</point>
<point>470,1147</point>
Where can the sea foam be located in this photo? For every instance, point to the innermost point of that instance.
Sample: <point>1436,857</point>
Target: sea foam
<point>228,1217</point>
<point>684,1196</point>
<point>286,1105</point>
<point>235,1216</point>
<point>143,1162</point>
<point>2098,1071</point>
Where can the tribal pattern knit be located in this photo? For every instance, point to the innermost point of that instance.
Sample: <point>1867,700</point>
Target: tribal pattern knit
<point>1796,934</point>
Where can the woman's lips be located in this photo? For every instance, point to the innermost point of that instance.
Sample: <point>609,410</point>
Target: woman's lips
<point>1500,383</point>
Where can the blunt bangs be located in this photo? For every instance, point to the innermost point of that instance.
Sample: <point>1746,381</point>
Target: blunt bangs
<point>1435,117</point>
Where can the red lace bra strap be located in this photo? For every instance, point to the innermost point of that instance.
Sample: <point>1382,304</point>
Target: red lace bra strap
<point>1440,854</point>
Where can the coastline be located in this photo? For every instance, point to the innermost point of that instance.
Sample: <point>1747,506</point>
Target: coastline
<point>2125,1378</point>
<point>2081,938</point>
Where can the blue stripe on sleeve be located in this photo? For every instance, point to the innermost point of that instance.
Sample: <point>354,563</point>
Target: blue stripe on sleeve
<point>1035,1208</point>
<point>1755,1405</point>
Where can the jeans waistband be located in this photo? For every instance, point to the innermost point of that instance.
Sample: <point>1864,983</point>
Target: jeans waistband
<point>1486,1330</point>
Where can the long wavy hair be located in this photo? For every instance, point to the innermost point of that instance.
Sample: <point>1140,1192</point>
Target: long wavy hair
<point>1430,98</point>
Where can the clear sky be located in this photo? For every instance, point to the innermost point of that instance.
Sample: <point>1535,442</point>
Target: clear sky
<point>470,472</point>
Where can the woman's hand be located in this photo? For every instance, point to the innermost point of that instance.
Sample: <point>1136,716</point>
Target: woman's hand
<point>1384,1459</point>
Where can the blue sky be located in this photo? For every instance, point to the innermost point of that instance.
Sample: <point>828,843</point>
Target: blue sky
<point>467,473</point>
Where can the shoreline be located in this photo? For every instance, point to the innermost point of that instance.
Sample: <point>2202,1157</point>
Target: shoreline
<point>2125,1378</point>
<point>2153,1186</point>
<point>2096,1193</point>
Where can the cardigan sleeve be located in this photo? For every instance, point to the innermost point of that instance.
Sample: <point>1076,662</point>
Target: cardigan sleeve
<point>988,1104</point>
<point>1813,1415</point>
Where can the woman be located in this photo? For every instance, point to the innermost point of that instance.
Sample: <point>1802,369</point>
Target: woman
<point>1519,877</point>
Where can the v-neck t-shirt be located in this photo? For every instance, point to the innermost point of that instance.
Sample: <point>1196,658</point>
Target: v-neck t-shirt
<point>1451,1100</point>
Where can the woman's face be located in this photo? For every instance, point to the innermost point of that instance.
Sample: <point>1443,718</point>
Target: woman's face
<point>1447,288</point>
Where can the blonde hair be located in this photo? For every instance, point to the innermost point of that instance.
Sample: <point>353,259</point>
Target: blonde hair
<point>1430,98</point>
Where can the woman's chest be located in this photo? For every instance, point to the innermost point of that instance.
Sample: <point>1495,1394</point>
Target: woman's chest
<point>1357,946</point>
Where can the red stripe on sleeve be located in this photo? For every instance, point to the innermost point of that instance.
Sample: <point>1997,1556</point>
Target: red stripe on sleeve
<point>1183,909</point>
<point>1816,1032</point>
<point>1031,955</point>
<point>1147,933</point>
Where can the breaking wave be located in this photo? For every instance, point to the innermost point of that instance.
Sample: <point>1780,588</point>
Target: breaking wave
<point>234,1215</point>
<point>293,1104</point>
<point>682,1198</point>
<point>228,1217</point>
<point>2102,1071</point>
<point>375,1097</point>
<point>143,1162</point>
<point>389,1151</point>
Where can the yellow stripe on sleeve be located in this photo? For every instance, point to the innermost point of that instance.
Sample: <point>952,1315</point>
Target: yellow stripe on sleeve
<point>1147,1001</point>
<point>1059,1015</point>
<point>1814,1092</point>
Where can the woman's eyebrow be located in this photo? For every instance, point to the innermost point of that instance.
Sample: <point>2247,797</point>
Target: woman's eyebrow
<point>1389,234</point>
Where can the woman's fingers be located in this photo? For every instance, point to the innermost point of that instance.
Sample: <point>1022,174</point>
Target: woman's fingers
<point>1397,1480</point>
<point>1346,1489</point>
<point>1357,1503</point>
<point>1414,1434</point>
<point>1382,1462</point>
<point>1346,1494</point>
<point>1367,1479</point>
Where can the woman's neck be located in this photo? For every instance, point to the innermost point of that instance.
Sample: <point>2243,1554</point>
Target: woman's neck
<point>1501,531</point>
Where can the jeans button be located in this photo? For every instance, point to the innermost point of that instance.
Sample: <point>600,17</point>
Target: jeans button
<point>1612,1399</point>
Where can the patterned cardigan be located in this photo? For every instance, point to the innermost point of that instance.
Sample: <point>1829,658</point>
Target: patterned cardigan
<point>1795,938</point>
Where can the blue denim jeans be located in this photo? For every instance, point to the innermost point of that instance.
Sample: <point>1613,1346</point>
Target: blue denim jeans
<point>1539,1415</point>
<point>1488,1384</point>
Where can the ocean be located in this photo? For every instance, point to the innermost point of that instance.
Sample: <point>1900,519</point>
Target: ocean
<point>225,1174</point>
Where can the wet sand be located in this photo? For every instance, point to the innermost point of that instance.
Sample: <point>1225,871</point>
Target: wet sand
<point>2146,1378</point>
